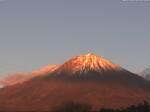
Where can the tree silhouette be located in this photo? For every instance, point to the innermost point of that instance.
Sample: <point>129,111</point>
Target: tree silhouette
<point>73,107</point>
<point>142,107</point>
<point>81,107</point>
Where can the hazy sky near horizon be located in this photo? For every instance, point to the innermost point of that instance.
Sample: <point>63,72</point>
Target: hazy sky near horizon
<point>35,33</point>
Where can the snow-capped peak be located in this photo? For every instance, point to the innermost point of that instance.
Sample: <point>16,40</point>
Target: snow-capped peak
<point>86,63</point>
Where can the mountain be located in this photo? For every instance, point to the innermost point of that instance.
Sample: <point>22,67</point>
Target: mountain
<point>18,78</point>
<point>146,74</point>
<point>86,78</point>
<point>93,67</point>
<point>85,63</point>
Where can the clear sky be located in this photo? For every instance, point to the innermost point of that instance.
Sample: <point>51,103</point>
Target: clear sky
<point>34,33</point>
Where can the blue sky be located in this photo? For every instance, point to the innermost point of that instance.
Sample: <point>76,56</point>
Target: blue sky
<point>34,33</point>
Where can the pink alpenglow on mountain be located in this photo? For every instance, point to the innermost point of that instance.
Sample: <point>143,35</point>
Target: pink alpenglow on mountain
<point>86,63</point>
<point>85,78</point>
<point>22,77</point>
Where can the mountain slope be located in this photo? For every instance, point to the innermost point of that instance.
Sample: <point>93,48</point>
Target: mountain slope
<point>146,74</point>
<point>22,77</point>
<point>91,80</point>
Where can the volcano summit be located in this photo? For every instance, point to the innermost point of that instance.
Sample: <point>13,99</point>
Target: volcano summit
<point>93,67</point>
<point>85,63</point>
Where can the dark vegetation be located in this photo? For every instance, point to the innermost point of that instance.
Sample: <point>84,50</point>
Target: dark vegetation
<point>142,107</point>
<point>73,107</point>
<point>81,107</point>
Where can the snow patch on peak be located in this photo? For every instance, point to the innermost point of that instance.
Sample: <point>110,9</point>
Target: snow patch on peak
<point>86,63</point>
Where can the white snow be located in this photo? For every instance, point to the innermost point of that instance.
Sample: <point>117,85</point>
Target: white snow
<point>88,62</point>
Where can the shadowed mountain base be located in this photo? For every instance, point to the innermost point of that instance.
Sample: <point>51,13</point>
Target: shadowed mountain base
<point>45,94</point>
